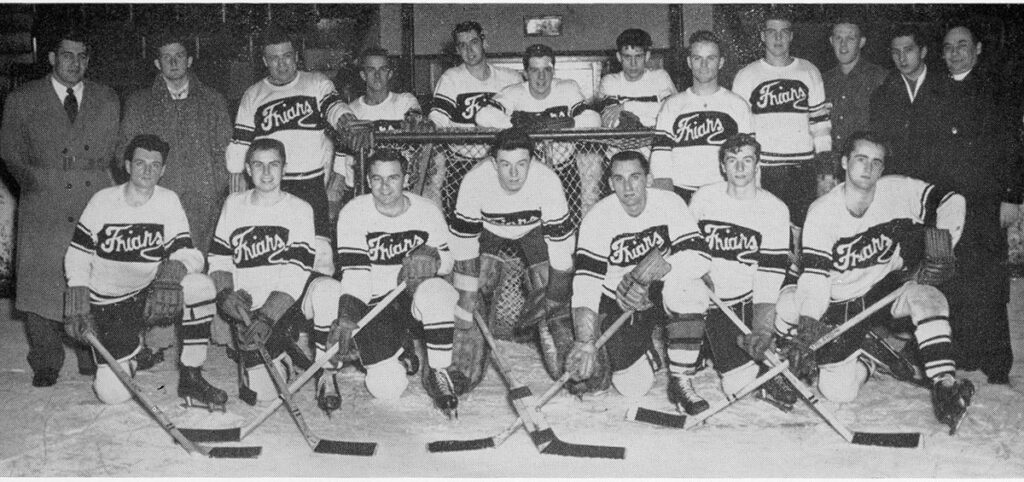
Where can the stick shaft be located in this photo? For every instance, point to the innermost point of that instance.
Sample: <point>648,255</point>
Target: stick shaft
<point>863,315</point>
<point>286,398</point>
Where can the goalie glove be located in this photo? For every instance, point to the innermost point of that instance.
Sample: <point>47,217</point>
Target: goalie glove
<point>631,293</point>
<point>418,265</point>
<point>469,351</point>
<point>78,319</point>
<point>801,358</point>
<point>350,311</point>
<point>762,336</point>
<point>533,122</point>
<point>165,299</point>
<point>939,263</point>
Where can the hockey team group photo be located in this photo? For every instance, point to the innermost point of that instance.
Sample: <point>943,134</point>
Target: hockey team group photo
<point>427,240</point>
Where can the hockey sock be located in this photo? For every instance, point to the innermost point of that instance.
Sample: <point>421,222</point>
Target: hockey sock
<point>935,346</point>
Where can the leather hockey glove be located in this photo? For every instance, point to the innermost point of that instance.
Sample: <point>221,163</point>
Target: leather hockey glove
<point>801,358</point>
<point>939,263</point>
<point>762,334</point>
<point>629,121</point>
<point>78,319</point>
<point>415,121</point>
<point>469,351</point>
<point>235,305</point>
<point>264,319</point>
<point>582,360</point>
<point>418,265</point>
<point>350,311</point>
<point>631,293</point>
<point>356,134</point>
<point>165,300</point>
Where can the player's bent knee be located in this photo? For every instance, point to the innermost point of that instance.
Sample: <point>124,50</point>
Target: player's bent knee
<point>434,301</point>
<point>635,381</point>
<point>734,380</point>
<point>386,380</point>
<point>787,315</point>
<point>323,257</point>
<point>197,287</point>
<point>683,295</point>
<point>322,297</point>
<point>926,300</point>
<point>108,387</point>
<point>841,382</point>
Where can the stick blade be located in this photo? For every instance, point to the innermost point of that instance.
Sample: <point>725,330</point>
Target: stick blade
<point>212,434</point>
<point>558,447</point>
<point>655,417</point>
<point>247,395</point>
<point>338,447</point>
<point>235,452</point>
<point>460,445</point>
<point>908,440</point>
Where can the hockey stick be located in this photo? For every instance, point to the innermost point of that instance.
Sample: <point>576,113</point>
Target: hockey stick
<point>525,403</point>
<point>245,393</point>
<point>863,315</point>
<point>239,433</point>
<point>901,440</point>
<point>165,423</point>
<point>497,440</point>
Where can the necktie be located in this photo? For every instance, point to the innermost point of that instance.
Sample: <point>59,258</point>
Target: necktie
<point>71,105</point>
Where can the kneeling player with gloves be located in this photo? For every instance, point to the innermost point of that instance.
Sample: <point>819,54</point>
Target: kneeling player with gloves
<point>384,238</point>
<point>852,258</point>
<point>131,264</point>
<point>639,250</point>
<point>511,202</point>
<point>260,261</point>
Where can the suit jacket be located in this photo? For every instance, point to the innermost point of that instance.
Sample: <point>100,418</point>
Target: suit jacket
<point>895,117</point>
<point>58,166</point>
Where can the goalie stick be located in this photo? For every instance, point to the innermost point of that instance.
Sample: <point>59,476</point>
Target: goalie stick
<point>239,433</point>
<point>497,440</point>
<point>899,440</point>
<point>165,423</point>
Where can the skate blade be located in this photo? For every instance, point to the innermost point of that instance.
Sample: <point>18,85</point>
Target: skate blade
<point>210,407</point>
<point>783,407</point>
<point>954,425</point>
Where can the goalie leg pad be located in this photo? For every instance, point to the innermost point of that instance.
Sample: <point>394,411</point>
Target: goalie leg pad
<point>200,305</point>
<point>386,380</point>
<point>108,387</point>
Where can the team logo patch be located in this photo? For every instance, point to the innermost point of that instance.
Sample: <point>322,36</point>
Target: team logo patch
<point>875,246</point>
<point>731,241</point>
<point>387,125</point>
<point>627,249</point>
<point>626,98</point>
<point>254,246</point>
<point>518,218</point>
<point>469,104</point>
<point>780,95</point>
<point>709,128</point>
<point>290,113</point>
<point>138,243</point>
<point>391,248</point>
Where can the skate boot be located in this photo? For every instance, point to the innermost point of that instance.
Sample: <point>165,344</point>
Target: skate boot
<point>328,396</point>
<point>147,358</point>
<point>897,364</point>
<point>779,393</point>
<point>950,399</point>
<point>682,394</point>
<point>197,392</point>
<point>439,386</point>
<point>409,359</point>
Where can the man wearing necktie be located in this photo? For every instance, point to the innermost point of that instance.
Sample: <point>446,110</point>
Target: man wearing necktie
<point>57,140</point>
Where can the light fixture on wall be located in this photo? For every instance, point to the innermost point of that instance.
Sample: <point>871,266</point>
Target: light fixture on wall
<point>546,26</point>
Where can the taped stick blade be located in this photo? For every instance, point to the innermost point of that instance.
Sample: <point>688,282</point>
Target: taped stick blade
<point>908,440</point>
<point>460,445</point>
<point>558,447</point>
<point>656,418</point>
<point>337,447</point>
<point>212,434</point>
<point>235,452</point>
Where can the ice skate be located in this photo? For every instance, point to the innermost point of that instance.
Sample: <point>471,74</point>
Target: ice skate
<point>682,394</point>
<point>895,363</point>
<point>328,396</point>
<point>197,392</point>
<point>779,393</point>
<point>950,399</point>
<point>441,389</point>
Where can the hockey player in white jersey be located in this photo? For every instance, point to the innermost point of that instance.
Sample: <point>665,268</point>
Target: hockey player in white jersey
<point>615,245</point>
<point>746,230</point>
<point>856,244</point>
<point>460,94</point>
<point>131,264</point>
<point>388,110</point>
<point>384,238</point>
<point>787,98</point>
<point>511,202</point>
<point>261,262</point>
<point>693,124</point>
<point>636,89</point>
<point>299,109</point>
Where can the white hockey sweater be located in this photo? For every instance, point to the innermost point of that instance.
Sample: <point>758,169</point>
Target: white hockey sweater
<point>389,114</point>
<point>459,96</point>
<point>642,97</point>
<point>564,100</point>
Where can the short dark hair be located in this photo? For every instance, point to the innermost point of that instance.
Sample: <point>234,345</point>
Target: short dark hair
<point>266,144</point>
<point>149,142</point>
<point>388,155</point>
<point>512,139</point>
<point>777,12</point>
<point>705,36</point>
<point>167,38</point>
<point>537,51</point>
<point>737,141</point>
<point>851,20</point>
<point>626,156</point>
<point>467,26</point>
<point>71,34</point>
<point>375,51</point>
<point>633,37</point>
<point>908,30</point>
<point>275,34</point>
<point>867,136</point>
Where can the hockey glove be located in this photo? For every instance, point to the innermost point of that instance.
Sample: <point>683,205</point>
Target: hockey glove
<point>629,121</point>
<point>631,293</point>
<point>939,263</point>
<point>234,304</point>
<point>762,335</point>
<point>415,121</point>
<point>610,115</point>
<point>801,358</point>
<point>78,319</point>
<point>165,300</point>
<point>357,134</point>
<point>257,333</point>
<point>350,311</point>
<point>583,358</point>
<point>418,265</point>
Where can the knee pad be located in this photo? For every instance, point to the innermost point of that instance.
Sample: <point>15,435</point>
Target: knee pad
<point>841,382</point>
<point>108,387</point>
<point>260,382</point>
<point>197,288</point>
<point>734,380</point>
<point>386,380</point>
<point>787,314</point>
<point>321,301</point>
<point>635,381</point>
<point>434,301</point>
<point>323,259</point>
